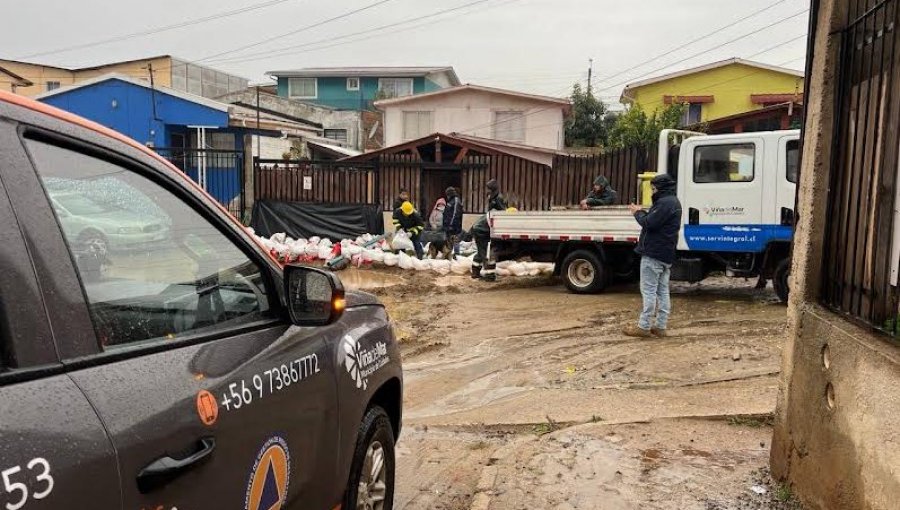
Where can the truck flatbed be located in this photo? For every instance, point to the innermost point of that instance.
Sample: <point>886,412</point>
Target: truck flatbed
<point>614,224</point>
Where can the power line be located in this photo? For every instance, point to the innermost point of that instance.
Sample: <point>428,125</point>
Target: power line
<point>299,30</point>
<point>289,49</point>
<point>156,30</point>
<point>685,45</point>
<point>748,34</point>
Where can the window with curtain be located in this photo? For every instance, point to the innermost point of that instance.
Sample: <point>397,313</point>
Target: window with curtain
<point>417,124</point>
<point>509,126</point>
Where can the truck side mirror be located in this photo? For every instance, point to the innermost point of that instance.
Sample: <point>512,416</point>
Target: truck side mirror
<point>314,297</point>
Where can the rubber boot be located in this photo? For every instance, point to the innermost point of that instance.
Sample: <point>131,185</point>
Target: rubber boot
<point>476,272</point>
<point>490,273</point>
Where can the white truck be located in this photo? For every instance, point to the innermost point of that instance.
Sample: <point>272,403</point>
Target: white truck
<point>737,193</point>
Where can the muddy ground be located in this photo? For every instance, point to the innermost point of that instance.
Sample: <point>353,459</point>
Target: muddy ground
<point>520,395</point>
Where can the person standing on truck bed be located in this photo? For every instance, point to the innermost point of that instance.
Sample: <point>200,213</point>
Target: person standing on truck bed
<point>600,195</point>
<point>481,232</point>
<point>659,238</point>
<point>407,218</point>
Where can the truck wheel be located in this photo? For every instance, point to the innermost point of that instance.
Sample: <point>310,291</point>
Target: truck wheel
<point>584,273</point>
<point>371,484</point>
<point>780,279</point>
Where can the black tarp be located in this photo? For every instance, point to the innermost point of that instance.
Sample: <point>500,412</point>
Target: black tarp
<point>302,219</point>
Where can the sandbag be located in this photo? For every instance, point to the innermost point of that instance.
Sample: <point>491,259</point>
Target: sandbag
<point>441,267</point>
<point>391,259</point>
<point>401,242</point>
<point>404,261</point>
<point>461,265</point>
<point>517,269</point>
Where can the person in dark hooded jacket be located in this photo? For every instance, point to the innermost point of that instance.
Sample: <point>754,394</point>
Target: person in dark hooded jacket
<point>657,247</point>
<point>481,233</point>
<point>600,195</point>
<point>453,216</point>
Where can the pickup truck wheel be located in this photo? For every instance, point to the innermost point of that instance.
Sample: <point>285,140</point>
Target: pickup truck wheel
<point>371,484</point>
<point>583,272</point>
<point>780,280</point>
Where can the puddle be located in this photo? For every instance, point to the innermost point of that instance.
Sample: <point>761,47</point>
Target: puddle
<point>366,279</point>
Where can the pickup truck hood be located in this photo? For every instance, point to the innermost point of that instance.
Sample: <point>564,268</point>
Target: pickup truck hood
<point>358,298</point>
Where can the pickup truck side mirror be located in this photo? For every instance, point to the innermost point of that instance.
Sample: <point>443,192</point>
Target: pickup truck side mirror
<point>314,297</point>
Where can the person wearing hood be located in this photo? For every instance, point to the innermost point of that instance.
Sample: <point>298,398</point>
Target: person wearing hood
<point>436,219</point>
<point>481,232</point>
<point>600,195</point>
<point>407,218</point>
<point>657,247</point>
<point>452,220</point>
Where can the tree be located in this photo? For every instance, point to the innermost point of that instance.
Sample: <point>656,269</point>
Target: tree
<point>635,127</point>
<point>588,125</point>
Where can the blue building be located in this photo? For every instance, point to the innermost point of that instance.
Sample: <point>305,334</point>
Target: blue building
<point>356,88</point>
<point>193,132</point>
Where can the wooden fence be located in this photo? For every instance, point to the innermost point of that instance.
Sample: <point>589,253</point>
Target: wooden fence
<point>529,186</point>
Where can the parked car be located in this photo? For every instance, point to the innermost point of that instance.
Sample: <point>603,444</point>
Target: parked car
<point>201,374</point>
<point>104,227</point>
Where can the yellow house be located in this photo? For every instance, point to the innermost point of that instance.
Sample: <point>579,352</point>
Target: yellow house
<point>31,79</point>
<point>717,90</point>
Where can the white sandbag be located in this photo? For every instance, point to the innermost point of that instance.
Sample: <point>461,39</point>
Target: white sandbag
<point>503,272</point>
<point>505,264</point>
<point>352,249</point>
<point>441,267</point>
<point>324,252</point>
<point>391,259</point>
<point>401,242</point>
<point>279,238</point>
<point>325,242</point>
<point>421,265</point>
<point>517,269</point>
<point>531,266</point>
<point>534,272</point>
<point>311,249</point>
<point>461,265</point>
<point>297,250</point>
<point>251,231</point>
<point>374,255</point>
<point>315,239</point>
<point>547,268</point>
<point>384,245</point>
<point>404,261</point>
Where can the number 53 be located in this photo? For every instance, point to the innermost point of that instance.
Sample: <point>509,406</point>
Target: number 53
<point>10,487</point>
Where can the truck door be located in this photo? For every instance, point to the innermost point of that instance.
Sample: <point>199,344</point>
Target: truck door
<point>786,179</point>
<point>54,451</point>
<point>721,189</point>
<point>211,398</point>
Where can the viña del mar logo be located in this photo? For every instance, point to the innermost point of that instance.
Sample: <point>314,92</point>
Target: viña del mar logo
<point>361,363</point>
<point>723,211</point>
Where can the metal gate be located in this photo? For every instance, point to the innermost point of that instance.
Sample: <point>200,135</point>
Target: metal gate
<point>862,245</point>
<point>219,172</point>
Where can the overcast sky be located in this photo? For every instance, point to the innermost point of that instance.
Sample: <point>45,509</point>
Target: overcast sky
<point>540,46</point>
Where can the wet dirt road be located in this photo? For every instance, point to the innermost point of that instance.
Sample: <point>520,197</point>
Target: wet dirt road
<point>523,396</point>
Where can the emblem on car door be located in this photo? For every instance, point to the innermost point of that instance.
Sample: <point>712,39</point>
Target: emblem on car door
<point>361,362</point>
<point>267,487</point>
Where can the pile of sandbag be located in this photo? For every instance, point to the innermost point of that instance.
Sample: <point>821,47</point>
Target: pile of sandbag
<point>392,252</point>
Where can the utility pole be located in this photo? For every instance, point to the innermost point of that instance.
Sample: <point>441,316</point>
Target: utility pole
<point>258,141</point>
<point>152,90</point>
<point>590,74</point>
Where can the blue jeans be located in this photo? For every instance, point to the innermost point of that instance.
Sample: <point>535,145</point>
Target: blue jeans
<point>655,291</point>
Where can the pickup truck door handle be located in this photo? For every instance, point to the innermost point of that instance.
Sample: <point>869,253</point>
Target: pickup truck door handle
<point>165,469</point>
<point>693,216</point>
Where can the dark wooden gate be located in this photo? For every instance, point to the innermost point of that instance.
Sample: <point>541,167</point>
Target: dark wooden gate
<point>860,264</point>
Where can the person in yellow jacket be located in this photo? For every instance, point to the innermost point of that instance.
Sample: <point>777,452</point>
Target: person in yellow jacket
<point>407,218</point>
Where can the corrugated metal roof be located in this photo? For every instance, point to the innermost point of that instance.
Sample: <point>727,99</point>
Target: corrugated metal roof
<point>358,72</point>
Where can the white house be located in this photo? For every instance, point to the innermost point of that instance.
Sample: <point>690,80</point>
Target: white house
<point>503,116</point>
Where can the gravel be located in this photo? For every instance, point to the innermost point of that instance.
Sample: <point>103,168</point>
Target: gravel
<point>762,493</point>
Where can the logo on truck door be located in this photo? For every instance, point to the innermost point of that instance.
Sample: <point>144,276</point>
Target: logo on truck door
<point>268,485</point>
<point>361,362</point>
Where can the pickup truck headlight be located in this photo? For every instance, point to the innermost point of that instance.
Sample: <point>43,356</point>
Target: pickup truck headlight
<point>129,230</point>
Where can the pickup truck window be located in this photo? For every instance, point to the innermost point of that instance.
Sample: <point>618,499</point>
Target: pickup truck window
<point>793,160</point>
<point>724,163</point>
<point>151,266</point>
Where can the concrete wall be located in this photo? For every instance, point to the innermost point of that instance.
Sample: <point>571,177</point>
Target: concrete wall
<point>730,85</point>
<point>837,434</point>
<point>329,118</point>
<point>472,112</point>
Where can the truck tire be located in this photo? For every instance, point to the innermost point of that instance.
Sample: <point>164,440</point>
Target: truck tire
<point>584,273</point>
<point>370,488</point>
<point>780,279</point>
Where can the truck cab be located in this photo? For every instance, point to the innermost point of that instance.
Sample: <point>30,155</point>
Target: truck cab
<point>737,194</point>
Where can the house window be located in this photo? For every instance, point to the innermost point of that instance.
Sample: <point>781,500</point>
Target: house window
<point>395,87</point>
<point>303,88</point>
<point>336,134</point>
<point>417,124</point>
<point>509,126</point>
<point>52,85</point>
<point>692,114</point>
<point>724,163</point>
<point>352,83</point>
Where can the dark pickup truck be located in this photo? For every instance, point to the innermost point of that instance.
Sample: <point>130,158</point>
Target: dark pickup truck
<point>191,373</point>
